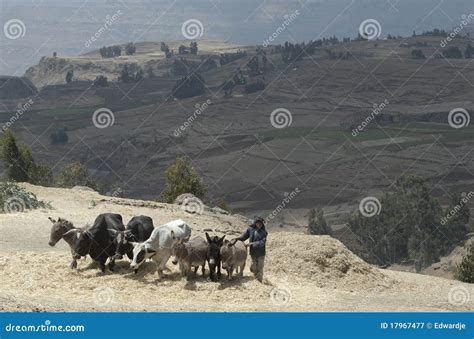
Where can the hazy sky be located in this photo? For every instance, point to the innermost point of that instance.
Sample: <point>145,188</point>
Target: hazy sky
<point>65,26</point>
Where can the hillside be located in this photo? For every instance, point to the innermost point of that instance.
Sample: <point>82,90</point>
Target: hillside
<point>52,70</point>
<point>303,273</point>
<point>243,159</point>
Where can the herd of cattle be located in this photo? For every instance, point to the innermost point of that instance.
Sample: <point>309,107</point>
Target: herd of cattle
<point>109,239</point>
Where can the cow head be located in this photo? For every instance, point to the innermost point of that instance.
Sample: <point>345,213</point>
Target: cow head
<point>178,248</point>
<point>122,242</point>
<point>140,253</point>
<point>59,228</point>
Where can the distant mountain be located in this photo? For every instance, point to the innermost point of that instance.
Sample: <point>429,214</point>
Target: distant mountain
<point>67,26</point>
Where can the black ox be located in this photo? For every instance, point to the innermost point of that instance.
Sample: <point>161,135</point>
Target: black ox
<point>98,240</point>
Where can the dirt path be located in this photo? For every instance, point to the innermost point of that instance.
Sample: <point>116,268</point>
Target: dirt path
<point>303,273</point>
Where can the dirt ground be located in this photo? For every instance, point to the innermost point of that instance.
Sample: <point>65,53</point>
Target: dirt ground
<point>303,273</point>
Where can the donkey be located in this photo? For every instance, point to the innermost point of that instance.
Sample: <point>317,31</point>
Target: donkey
<point>59,231</point>
<point>190,254</point>
<point>233,255</point>
<point>214,256</point>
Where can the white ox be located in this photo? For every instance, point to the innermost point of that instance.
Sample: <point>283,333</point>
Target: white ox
<point>158,246</point>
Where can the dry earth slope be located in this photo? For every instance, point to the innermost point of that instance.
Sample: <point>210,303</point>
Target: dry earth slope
<point>303,273</point>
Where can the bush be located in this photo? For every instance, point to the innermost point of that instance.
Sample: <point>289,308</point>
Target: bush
<point>409,226</point>
<point>465,270</point>
<point>225,206</point>
<point>20,164</point>
<point>317,224</point>
<point>254,87</point>
<point>59,137</point>
<point>69,76</point>
<point>417,54</point>
<point>469,52</point>
<point>14,198</point>
<point>14,162</point>
<point>189,86</point>
<point>130,48</point>
<point>182,178</point>
<point>75,174</point>
<point>100,81</point>
<point>453,53</point>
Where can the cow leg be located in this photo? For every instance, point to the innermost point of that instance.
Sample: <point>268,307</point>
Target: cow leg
<point>188,274</point>
<point>130,255</point>
<point>230,271</point>
<point>102,266</point>
<point>203,269</point>
<point>73,263</point>
<point>112,264</point>
<point>196,270</point>
<point>218,270</point>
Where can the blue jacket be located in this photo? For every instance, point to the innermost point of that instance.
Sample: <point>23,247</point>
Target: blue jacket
<point>257,238</point>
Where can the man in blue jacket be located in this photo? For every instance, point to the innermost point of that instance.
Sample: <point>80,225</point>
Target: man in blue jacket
<point>257,235</point>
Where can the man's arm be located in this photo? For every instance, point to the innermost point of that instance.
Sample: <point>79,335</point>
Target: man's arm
<point>245,235</point>
<point>259,243</point>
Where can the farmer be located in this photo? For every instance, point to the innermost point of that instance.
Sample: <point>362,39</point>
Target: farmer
<point>257,235</point>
